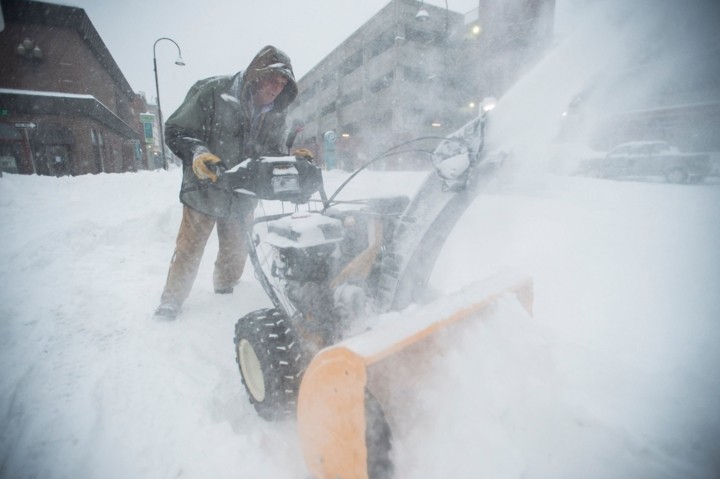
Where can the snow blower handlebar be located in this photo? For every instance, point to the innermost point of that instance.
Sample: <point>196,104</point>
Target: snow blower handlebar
<point>283,178</point>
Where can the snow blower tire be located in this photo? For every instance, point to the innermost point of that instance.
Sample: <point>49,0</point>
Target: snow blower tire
<point>378,440</point>
<point>271,362</point>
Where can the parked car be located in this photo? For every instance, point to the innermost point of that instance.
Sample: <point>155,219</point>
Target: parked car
<point>643,159</point>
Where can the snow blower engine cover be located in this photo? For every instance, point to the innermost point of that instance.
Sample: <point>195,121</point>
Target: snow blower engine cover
<point>284,178</point>
<point>303,243</point>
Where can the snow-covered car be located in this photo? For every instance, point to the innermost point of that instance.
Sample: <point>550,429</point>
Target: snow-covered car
<point>643,159</point>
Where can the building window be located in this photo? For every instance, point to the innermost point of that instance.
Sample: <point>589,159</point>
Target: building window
<point>326,80</point>
<point>352,63</point>
<point>350,128</point>
<point>420,36</point>
<point>382,119</point>
<point>381,43</point>
<point>97,143</point>
<point>329,108</point>
<point>414,75</point>
<point>382,82</point>
<point>351,97</point>
<point>309,93</point>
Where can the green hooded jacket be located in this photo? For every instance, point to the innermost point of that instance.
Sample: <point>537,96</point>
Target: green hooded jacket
<point>215,117</point>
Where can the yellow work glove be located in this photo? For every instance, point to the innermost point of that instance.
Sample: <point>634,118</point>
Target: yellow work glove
<point>304,153</point>
<point>200,166</point>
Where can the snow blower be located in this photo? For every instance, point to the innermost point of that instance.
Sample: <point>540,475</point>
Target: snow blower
<point>331,266</point>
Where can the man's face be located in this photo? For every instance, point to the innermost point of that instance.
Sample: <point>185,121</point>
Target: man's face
<point>269,88</point>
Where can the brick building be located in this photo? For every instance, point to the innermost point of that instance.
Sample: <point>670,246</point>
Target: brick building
<point>65,106</point>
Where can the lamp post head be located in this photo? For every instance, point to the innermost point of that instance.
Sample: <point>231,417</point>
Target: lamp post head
<point>180,62</point>
<point>422,15</point>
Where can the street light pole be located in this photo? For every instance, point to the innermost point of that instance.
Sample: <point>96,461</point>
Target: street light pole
<point>179,62</point>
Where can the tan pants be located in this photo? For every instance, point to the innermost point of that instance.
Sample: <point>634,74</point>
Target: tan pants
<point>194,232</point>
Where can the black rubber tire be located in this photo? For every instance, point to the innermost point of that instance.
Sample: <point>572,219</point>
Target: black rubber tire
<point>271,362</point>
<point>378,440</point>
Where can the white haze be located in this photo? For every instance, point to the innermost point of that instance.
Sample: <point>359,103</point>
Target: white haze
<point>615,374</point>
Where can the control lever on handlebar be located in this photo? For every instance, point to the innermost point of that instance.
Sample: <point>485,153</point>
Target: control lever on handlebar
<point>218,168</point>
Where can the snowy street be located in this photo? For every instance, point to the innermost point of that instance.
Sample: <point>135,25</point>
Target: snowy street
<point>614,376</point>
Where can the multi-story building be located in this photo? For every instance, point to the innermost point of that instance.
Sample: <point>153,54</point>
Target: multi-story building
<point>413,70</point>
<point>381,86</point>
<point>65,106</point>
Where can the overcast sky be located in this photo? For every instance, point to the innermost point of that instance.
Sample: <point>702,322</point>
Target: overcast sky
<point>221,36</point>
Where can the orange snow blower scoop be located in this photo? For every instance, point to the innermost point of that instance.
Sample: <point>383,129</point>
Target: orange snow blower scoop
<point>331,403</point>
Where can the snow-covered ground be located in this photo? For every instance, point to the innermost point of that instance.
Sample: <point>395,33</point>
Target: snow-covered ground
<point>614,376</point>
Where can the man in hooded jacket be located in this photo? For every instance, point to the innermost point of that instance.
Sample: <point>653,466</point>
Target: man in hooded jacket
<point>223,120</point>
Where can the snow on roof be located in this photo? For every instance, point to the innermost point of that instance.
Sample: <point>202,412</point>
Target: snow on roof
<point>11,91</point>
<point>92,106</point>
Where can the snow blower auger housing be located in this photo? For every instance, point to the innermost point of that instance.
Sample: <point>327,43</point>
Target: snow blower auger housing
<point>339,424</point>
<point>332,265</point>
